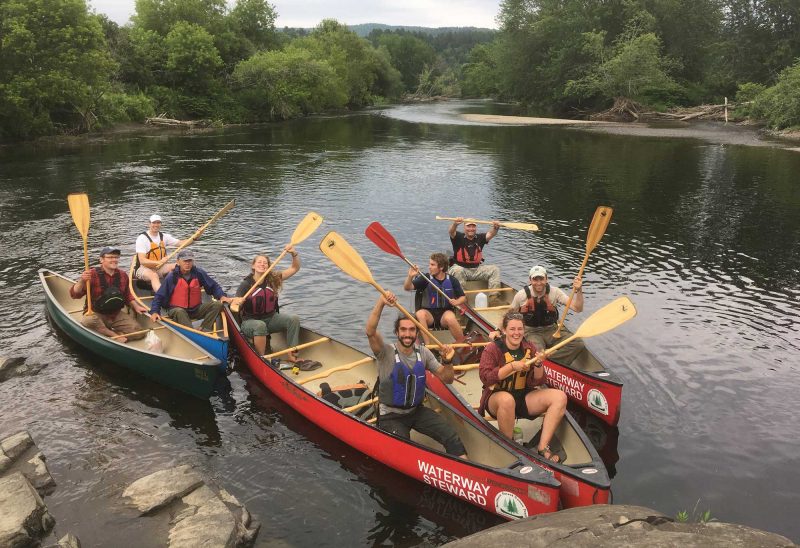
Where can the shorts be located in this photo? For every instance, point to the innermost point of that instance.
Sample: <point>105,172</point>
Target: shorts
<point>437,314</point>
<point>520,407</point>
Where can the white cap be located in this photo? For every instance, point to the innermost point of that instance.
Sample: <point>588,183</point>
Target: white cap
<point>155,218</point>
<point>537,271</point>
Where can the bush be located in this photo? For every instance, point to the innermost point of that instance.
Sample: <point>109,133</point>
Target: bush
<point>779,105</point>
<point>117,107</point>
<point>745,97</point>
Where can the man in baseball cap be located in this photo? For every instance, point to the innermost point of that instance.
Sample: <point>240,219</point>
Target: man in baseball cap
<point>468,255</point>
<point>110,294</point>
<point>151,249</point>
<point>537,303</point>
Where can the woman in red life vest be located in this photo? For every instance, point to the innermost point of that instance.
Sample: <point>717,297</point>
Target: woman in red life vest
<point>260,310</point>
<point>512,388</point>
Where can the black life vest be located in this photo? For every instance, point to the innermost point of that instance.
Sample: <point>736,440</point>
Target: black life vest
<point>111,299</point>
<point>515,383</point>
<point>541,312</point>
<point>470,254</point>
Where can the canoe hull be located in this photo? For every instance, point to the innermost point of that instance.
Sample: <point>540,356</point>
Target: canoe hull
<point>193,377</point>
<point>508,494</point>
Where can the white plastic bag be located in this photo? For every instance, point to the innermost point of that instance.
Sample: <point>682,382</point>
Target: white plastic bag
<point>153,343</point>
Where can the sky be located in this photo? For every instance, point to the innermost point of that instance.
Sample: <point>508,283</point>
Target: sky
<point>308,13</point>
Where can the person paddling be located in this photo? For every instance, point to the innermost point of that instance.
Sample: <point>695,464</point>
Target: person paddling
<point>151,247</point>
<point>260,311</point>
<point>401,381</point>
<point>110,294</point>
<point>512,388</point>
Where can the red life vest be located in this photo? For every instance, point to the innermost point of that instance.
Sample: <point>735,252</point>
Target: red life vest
<point>261,302</point>
<point>469,254</point>
<point>542,315</point>
<point>186,294</point>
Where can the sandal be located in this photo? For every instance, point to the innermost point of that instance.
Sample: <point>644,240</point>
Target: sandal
<point>307,365</point>
<point>548,454</point>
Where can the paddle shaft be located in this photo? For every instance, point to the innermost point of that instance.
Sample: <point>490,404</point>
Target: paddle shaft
<point>408,314</point>
<point>505,224</point>
<point>197,233</point>
<point>78,203</point>
<point>600,220</point>
<point>260,279</point>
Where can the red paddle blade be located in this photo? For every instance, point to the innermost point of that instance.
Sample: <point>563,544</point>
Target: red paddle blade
<point>383,239</point>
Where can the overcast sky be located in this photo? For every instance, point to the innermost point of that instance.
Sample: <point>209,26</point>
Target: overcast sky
<point>308,13</point>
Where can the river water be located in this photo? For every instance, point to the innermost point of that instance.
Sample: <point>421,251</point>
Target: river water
<point>704,240</point>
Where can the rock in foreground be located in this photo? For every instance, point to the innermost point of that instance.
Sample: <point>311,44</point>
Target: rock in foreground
<point>619,525</point>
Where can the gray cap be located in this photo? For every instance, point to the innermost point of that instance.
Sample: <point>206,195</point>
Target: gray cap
<point>186,255</point>
<point>108,250</point>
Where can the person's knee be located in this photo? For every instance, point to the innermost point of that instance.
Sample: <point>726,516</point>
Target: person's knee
<point>559,398</point>
<point>294,321</point>
<point>503,401</point>
<point>216,306</point>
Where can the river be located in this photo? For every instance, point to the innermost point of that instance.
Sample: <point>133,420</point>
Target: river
<point>704,240</point>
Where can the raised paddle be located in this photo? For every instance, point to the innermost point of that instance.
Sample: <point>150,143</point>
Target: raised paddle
<point>336,248</point>
<point>384,240</point>
<point>304,229</point>
<point>602,216</point>
<point>79,208</point>
<point>226,208</point>
<point>504,224</point>
<point>602,321</point>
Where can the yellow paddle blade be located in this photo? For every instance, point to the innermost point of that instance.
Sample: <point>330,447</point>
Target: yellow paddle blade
<point>79,208</point>
<point>336,248</point>
<point>520,226</point>
<point>607,318</point>
<point>602,216</point>
<point>306,227</point>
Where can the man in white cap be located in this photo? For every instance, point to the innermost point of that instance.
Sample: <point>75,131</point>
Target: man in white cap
<point>151,248</point>
<point>537,302</point>
<point>110,294</point>
<point>468,256</point>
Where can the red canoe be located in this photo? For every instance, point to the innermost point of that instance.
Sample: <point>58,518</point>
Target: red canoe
<point>496,478</point>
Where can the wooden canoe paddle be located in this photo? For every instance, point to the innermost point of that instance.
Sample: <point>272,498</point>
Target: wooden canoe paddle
<point>226,208</point>
<point>336,248</point>
<point>79,208</point>
<point>600,220</point>
<point>304,229</point>
<point>504,224</point>
<point>611,316</point>
<point>385,241</point>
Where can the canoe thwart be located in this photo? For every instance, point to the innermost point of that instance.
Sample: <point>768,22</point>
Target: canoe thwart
<point>344,367</point>
<point>295,348</point>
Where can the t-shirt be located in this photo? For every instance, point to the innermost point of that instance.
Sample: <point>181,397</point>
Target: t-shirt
<point>556,295</point>
<point>460,240</point>
<point>386,364</point>
<point>143,244</point>
<point>432,298</point>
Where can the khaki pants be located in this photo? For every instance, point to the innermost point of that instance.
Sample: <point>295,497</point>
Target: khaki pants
<point>486,272</point>
<point>209,311</point>
<point>143,273</point>
<point>542,337</point>
<point>122,322</point>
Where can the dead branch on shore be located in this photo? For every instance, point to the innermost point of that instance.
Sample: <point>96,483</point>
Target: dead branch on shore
<point>625,109</point>
<point>170,122</point>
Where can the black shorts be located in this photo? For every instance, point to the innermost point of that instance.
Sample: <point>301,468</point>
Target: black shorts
<point>437,314</point>
<point>520,407</point>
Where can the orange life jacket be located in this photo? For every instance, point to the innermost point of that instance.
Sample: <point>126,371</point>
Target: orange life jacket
<point>543,315</point>
<point>470,254</point>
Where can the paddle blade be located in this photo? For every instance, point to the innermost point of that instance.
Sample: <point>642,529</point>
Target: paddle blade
<point>79,208</point>
<point>336,248</point>
<point>602,216</point>
<point>306,228</point>
<point>520,226</point>
<point>607,318</point>
<point>383,239</point>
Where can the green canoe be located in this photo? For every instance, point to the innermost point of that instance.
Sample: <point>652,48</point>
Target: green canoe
<point>182,364</point>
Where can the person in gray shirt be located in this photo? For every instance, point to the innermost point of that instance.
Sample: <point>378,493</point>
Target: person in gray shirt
<point>401,381</point>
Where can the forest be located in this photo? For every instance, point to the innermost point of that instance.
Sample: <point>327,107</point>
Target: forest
<point>66,70</point>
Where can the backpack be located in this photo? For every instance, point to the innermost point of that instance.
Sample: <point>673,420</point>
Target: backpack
<point>347,396</point>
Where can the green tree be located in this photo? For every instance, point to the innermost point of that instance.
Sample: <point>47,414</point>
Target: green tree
<point>192,59</point>
<point>161,16</point>
<point>408,54</point>
<point>54,67</point>
<point>779,105</point>
<point>284,84</point>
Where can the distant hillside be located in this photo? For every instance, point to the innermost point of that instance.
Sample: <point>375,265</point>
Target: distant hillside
<point>364,29</point>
